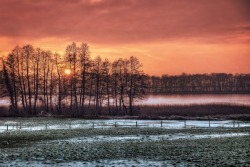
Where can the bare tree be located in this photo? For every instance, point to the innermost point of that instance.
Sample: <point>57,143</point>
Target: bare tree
<point>85,64</point>
<point>28,52</point>
<point>137,82</point>
<point>114,85</point>
<point>36,78</point>
<point>36,68</point>
<point>97,75</point>
<point>71,57</point>
<point>106,77</point>
<point>10,89</point>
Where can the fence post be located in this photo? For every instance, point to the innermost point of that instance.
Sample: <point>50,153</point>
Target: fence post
<point>20,126</point>
<point>46,126</point>
<point>93,125</point>
<point>115,124</point>
<point>185,124</point>
<point>238,124</point>
<point>136,123</point>
<point>161,124</point>
<point>7,127</point>
<point>209,123</point>
<point>234,123</point>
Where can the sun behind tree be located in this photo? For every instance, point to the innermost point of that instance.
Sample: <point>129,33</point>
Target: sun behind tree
<point>67,71</point>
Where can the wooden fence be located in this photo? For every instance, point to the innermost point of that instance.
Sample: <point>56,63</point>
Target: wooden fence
<point>162,124</point>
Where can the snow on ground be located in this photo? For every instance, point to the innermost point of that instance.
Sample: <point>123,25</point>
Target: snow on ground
<point>144,138</point>
<point>103,163</point>
<point>43,124</point>
<point>126,146</point>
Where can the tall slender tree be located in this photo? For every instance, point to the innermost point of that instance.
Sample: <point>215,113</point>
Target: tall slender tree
<point>71,57</point>
<point>85,64</point>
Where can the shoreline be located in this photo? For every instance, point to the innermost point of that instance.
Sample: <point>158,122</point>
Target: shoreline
<point>156,112</point>
<point>244,117</point>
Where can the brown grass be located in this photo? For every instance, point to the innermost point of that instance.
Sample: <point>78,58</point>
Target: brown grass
<point>193,111</point>
<point>205,111</point>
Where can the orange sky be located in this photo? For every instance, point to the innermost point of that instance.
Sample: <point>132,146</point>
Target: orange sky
<point>169,37</point>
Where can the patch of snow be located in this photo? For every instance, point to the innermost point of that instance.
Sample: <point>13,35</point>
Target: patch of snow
<point>104,163</point>
<point>143,138</point>
<point>45,123</point>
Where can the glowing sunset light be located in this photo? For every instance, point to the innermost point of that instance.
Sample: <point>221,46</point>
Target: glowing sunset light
<point>195,36</point>
<point>67,71</point>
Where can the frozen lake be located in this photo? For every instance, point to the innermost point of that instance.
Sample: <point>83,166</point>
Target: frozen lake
<point>238,99</point>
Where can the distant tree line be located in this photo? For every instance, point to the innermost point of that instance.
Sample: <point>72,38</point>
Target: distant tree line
<point>74,84</point>
<point>35,81</point>
<point>200,83</point>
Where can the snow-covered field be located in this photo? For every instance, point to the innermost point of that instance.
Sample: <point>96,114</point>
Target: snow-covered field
<point>56,142</point>
<point>31,124</point>
<point>75,142</point>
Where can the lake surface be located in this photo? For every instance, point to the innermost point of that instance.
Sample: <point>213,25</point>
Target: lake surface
<point>238,99</point>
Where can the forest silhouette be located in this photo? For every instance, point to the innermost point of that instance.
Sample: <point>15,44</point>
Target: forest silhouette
<point>39,82</point>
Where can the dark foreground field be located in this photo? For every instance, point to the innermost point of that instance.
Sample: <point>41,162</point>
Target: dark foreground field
<point>126,147</point>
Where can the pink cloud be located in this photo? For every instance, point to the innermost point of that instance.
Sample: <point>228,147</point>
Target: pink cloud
<point>194,36</point>
<point>127,21</point>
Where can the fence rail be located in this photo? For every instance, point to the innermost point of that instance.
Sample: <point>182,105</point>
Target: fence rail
<point>116,124</point>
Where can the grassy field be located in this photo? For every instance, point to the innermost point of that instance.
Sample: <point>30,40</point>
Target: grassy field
<point>206,111</point>
<point>126,147</point>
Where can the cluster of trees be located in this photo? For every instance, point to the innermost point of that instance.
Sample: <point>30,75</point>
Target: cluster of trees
<point>200,83</point>
<point>35,80</point>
